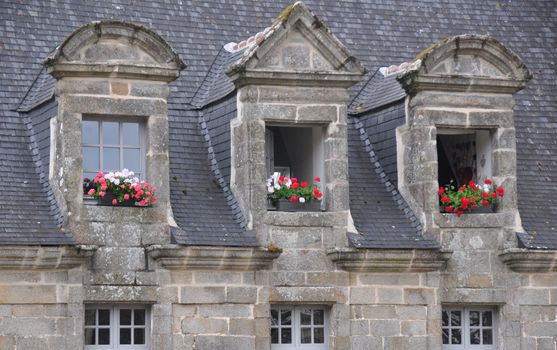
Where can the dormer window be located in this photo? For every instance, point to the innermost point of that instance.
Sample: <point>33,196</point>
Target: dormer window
<point>463,155</point>
<point>110,144</point>
<point>295,151</point>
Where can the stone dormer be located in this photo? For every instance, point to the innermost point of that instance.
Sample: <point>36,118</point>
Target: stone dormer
<point>112,74</point>
<point>460,125</point>
<point>292,82</point>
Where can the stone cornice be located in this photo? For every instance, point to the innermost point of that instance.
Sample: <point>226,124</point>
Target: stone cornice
<point>412,84</point>
<point>389,260</point>
<point>529,260</point>
<point>293,78</point>
<point>176,257</point>
<point>44,258</point>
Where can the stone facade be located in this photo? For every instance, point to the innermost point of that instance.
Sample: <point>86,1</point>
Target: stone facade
<point>220,297</point>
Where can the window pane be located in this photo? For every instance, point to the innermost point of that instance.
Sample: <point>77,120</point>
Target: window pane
<point>455,318</point>
<point>89,336</point>
<point>125,336</point>
<point>125,317</point>
<point>318,317</point>
<point>90,132</point>
<point>487,336</point>
<point>474,318</point>
<point>456,336</point>
<point>318,335</point>
<point>110,133</point>
<point>139,336</point>
<point>286,336</point>
<point>475,336</point>
<point>91,158</point>
<point>305,316</point>
<point>486,319</point>
<point>445,317</point>
<point>104,336</point>
<point>274,317</point>
<point>111,159</point>
<point>89,176</point>
<point>131,134</point>
<point>274,335</point>
<point>89,317</point>
<point>445,336</point>
<point>104,317</point>
<point>285,317</point>
<point>139,317</point>
<point>131,159</point>
<point>305,335</point>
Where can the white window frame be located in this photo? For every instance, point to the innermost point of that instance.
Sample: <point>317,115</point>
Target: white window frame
<point>465,327</point>
<point>115,327</point>
<point>120,120</point>
<point>296,328</point>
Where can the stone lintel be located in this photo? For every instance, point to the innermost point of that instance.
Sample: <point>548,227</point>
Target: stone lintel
<point>176,257</point>
<point>413,84</point>
<point>326,295</point>
<point>529,260</point>
<point>44,258</point>
<point>389,260</point>
<point>318,79</point>
<point>493,220</point>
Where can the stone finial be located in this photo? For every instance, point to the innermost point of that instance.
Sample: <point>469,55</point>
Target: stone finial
<point>116,49</point>
<point>466,63</point>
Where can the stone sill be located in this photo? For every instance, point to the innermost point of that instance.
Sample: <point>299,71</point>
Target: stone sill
<point>306,219</point>
<point>389,260</point>
<point>177,257</point>
<point>491,220</point>
<point>143,215</point>
<point>44,258</point>
<point>530,260</point>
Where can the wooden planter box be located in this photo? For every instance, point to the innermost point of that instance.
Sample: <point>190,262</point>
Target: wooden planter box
<point>284,205</point>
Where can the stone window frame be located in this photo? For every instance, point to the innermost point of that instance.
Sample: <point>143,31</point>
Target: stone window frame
<point>296,327</point>
<point>465,327</point>
<point>115,326</point>
<point>143,144</point>
<point>322,139</point>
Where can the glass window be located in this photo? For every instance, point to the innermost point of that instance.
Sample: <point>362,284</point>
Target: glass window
<point>109,145</point>
<point>468,328</point>
<point>116,327</point>
<point>298,327</point>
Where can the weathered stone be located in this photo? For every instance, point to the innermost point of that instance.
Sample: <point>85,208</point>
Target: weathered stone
<point>202,295</point>
<point>119,88</point>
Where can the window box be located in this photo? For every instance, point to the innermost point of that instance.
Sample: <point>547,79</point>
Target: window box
<point>109,197</point>
<point>286,205</point>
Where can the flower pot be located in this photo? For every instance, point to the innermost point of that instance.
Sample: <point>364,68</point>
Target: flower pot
<point>285,205</point>
<point>482,209</point>
<point>108,197</point>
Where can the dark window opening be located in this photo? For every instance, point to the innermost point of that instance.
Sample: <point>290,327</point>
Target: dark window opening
<point>463,157</point>
<point>295,151</point>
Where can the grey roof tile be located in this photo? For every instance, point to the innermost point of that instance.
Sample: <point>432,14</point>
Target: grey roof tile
<point>379,33</point>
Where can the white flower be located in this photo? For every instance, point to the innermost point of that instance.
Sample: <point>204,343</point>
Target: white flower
<point>486,187</point>
<point>277,186</point>
<point>116,181</point>
<point>302,200</point>
<point>270,189</point>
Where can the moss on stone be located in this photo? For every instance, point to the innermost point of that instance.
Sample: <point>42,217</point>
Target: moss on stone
<point>283,17</point>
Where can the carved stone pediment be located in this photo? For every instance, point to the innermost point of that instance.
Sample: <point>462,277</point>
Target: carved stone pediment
<point>116,48</point>
<point>297,47</point>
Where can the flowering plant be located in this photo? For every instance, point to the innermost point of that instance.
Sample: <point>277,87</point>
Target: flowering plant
<point>282,187</point>
<point>124,186</point>
<point>466,197</point>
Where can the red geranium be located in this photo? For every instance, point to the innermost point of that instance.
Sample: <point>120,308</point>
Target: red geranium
<point>466,197</point>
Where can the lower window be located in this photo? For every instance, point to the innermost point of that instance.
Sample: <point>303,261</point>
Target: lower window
<point>299,327</point>
<point>469,328</point>
<point>117,327</point>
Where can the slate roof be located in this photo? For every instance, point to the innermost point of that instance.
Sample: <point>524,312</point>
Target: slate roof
<point>379,33</point>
